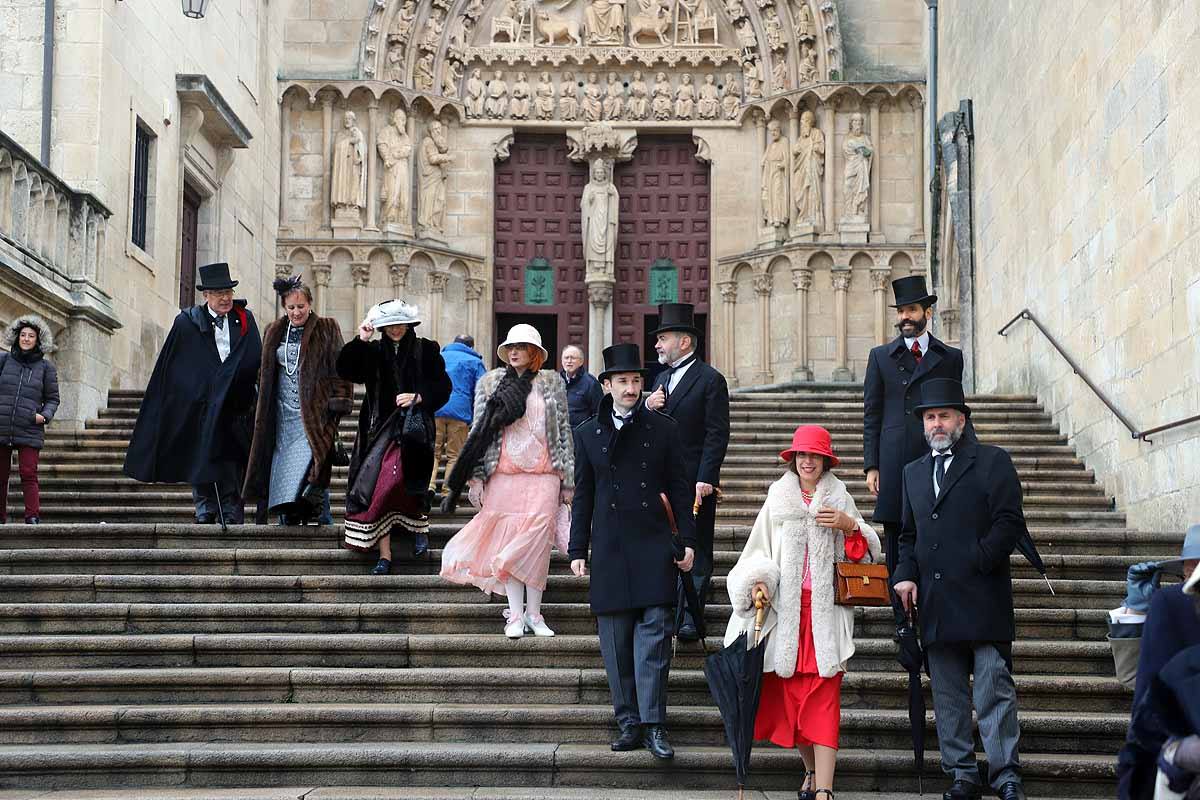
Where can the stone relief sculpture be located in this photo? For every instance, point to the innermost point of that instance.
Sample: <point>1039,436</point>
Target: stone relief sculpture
<point>395,149</point>
<point>497,97</point>
<point>543,101</point>
<point>693,20</point>
<point>709,105</point>
<point>433,31</point>
<point>661,104</point>
<point>639,98</point>
<point>518,105</point>
<point>775,177</point>
<point>475,93</point>
<point>451,74</point>
<point>598,208</point>
<point>685,98</point>
<point>593,107</point>
<point>746,38</point>
<point>568,98</point>
<point>808,64</point>
<point>423,73</point>
<point>435,155</point>
<point>508,22</point>
<point>774,30</point>
<point>808,171</point>
<point>804,22</point>
<point>605,21</point>
<point>402,24</point>
<point>552,27</point>
<point>614,97</point>
<point>460,34</point>
<point>348,176</point>
<point>475,9</point>
<point>753,76</point>
<point>731,100</point>
<point>780,79</point>
<point>655,20</point>
<point>735,10</point>
<point>857,152</point>
<point>394,71</point>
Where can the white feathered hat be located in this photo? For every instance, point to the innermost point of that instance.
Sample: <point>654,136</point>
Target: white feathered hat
<point>521,334</point>
<point>393,312</point>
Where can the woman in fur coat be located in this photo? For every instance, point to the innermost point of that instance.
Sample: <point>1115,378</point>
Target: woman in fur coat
<point>28,400</point>
<point>301,399</point>
<point>519,457</point>
<point>808,522</point>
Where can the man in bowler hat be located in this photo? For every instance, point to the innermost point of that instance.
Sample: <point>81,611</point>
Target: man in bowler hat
<point>962,518</point>
<point>194,423</point>
<point>892,435</point>
<point>697,397</point>
<point>626,458</point>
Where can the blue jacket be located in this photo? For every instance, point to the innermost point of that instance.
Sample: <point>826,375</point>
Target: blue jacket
<point>583,395</point>
<point>465,367</point>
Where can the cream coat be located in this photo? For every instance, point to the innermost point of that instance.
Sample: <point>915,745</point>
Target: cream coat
<point>785,530</point>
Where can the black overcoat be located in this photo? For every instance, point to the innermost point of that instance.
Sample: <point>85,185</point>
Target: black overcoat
<point>194,422</point>
<point>700,404</point>
<point>957,547</point>
<point>1170,707</point>
<point>618,512</point>
<point>892,435</point>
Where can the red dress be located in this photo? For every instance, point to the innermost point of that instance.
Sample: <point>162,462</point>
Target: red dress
<point>804,709</point>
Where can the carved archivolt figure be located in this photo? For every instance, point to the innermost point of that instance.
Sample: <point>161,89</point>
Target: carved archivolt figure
<point>593,106</point>
<point>775,177</point>
<point>395,149</point>
<point>605,21</point>
<point>661,104</point>
<point>543,101</point>
<point>614,100</point>
<point>746,37</point>
<point>433,31</point>
<point>731,100</point>
<point>348,177</point>
<point>475,92</point>
<point>804,22</point>
<point>774,30</point>
<point>394,71</point>
<point>403,22</point>
<point>497,96</point>
<point>460,34</point>
<point>423,73</point>
<point>639,98</point>
<point>435,155</point>
<point>753,76</point>
<point>451,75</point>
<point>857,152</point>
<point>779,74</point>
<point>808,171</point>
<point>518,106</point>
<point>709,105</point>
<point>685,98</point>
<point>568,98</point>
<point>598,208</point>
<point>734,9</point>
<point>808,64</point>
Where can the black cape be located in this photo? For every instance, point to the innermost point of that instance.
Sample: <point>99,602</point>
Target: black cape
<point>194,422</point>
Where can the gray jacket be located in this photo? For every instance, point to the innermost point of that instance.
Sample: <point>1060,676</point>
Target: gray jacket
<point>26,389</point>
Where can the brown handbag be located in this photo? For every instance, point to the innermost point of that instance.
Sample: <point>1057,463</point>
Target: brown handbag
<point>860,584</point>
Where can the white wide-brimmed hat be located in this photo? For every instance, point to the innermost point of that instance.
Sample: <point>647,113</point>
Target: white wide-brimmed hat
<point>521,334</point>
<point>393,312</point>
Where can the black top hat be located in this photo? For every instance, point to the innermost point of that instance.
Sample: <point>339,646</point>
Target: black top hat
<point>214,277</point>
<point>911,290</point>
<point>623,357</point>
<point>942,393</point>
<point>676,317</point>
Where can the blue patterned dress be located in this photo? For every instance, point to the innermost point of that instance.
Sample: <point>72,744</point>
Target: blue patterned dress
<point>292,456</point>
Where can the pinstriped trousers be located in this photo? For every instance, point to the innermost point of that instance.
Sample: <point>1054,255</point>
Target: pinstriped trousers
<point>950,668</point>
<point>636,647</point>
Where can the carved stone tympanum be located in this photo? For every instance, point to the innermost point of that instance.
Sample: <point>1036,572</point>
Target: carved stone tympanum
<point>518,105</point>
<point>808,65</point>
<point>593,105</point>
<point>654,21</point>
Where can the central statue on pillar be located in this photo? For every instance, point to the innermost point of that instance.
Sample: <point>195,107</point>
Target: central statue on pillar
<point>598,209</point>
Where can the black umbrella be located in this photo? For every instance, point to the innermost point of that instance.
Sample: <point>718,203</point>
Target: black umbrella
<point>912,659</point>
<point>686,587</point>
<point>1028,549</point>
<point>735,680</point>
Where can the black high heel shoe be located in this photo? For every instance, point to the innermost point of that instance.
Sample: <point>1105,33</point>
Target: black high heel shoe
<point>805,793</point>
<point>827,792</point>
<point>384,567</point>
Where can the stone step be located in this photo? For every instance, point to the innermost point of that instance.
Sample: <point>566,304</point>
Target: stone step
<point>529,765</point>
<point>889,729</point>
<point>39,652</point>
<point>435,793</point>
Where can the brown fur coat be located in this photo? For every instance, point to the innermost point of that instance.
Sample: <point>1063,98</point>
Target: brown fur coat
<point>324,399</point>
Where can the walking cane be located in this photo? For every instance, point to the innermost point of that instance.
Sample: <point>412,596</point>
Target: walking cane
<point>220,509</point>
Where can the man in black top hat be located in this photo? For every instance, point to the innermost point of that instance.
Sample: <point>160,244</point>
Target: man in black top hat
<point>625,460</point>
<point>194,423</point>
<point>892,436</point>
<point>962,518</point>
<point>697,397</point>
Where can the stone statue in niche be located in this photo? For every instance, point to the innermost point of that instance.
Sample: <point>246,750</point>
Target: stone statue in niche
<point>731,100</point>
<point>734,9</point>
<point>435,155</point>
<point>685,98</point>
<point>551,28</point>
<point>661,104</point>
<point>451,74</point>
<point>746,38</point>
<point>638,107</point>
<point>753,76</point>
<point>779,74</point>
<point>460,34</point>
<point>598,208</point>
<point>568,98</point>
<point>775,177</point>
<point>804,22</point>
<point>402,24</point>
<point>808,171</point>
<point>497,97</point>
<point>774,30</point>
<point>593,106</point>
<point>808,64</point>
<point>857,151</point>
<point>433,31</point>
<point>475,92</point>
<point>654,20</point>
<point>709,105</point>
<point>423,73</point>
<point>348,175</point>
<point>543,101</point>
<point>605,22</point>
<point>394,70</point>
<point>518,105</point>
<point>614,98</point>
<point>395,149</point>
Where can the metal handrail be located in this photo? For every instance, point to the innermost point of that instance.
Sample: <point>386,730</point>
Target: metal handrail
<point>1144,435</point>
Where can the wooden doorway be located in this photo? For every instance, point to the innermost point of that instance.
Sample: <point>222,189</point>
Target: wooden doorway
<point>188,244</point>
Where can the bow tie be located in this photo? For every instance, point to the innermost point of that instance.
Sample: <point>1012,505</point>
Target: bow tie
<point>624,420</point>
<point>219,321</point>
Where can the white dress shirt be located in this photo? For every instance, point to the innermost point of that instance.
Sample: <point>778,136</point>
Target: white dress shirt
<point>923,339</point>
<point>950,460</point>
<point>618,420</point>
<point>678,374</point>
<point>221,334</point>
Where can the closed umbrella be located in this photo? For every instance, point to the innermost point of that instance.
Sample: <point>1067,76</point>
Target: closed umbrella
<point>912,658</point>
<point>687,587</point>
<point>1028,549</point>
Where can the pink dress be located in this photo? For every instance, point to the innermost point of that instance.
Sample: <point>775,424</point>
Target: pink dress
<point>510,536</point>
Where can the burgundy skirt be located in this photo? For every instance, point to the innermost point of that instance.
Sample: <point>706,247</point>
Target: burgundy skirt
<point>391,507</point>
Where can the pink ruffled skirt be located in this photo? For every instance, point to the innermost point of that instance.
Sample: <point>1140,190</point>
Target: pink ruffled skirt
<point>510,537</point>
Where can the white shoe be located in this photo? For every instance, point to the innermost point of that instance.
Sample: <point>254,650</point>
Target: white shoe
<point>538,625</point>
<point>515,629</point>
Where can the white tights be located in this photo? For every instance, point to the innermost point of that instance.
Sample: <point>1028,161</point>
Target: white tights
<point>518,593</point>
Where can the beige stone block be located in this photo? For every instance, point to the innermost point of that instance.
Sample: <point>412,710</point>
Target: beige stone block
<point>304,31</point>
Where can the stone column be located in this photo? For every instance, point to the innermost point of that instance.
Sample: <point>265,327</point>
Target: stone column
<point>326,162</point>
<point>729,324</point>
<point>322,274</point>
<point>437,292</point>
<point>600,295</point>
<point>802,282</point>
<point>828,128</point>
<point>398,275</point>
<point>372,168</point>
<point>841,285</point>
<point>285,157</point>
<point>762,288</point>
<point>918,162</point>
<point>876,135</point>
<point>880,280</point>
<point>793,137</point>
<point>360,271</point>
<point>474,290</point>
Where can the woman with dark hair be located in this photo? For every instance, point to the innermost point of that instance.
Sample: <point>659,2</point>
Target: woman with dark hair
<point>301,399</point>
<point>28,400</point>
<point>406,383</point>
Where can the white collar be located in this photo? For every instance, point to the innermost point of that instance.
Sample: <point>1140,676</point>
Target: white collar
<point>949,453</point>
<point>675,364</point>
<point>211,313</point>
<point>923,339</point>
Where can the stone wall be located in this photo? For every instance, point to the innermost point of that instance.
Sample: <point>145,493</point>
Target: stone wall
<point>1087,199</point>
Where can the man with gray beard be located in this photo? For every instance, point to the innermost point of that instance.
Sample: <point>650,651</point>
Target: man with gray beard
<point>961,520</point>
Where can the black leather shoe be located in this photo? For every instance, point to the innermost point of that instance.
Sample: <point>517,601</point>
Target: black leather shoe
<point>33,520</point>
<point>963,790</point>
<point>688,633</point>
<point>654,739</point>
<point>384,567</point>
<point>1011,791</point>
<point>206,519</point>
<point>420,544</point>
<point>629,739</point>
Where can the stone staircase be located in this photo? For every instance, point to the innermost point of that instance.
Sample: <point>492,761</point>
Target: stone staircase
<point>138,651</point>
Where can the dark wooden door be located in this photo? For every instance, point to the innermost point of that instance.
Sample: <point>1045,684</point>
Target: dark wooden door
<point>537,216</point>
<point>664,218</point>
<point>187,256</point>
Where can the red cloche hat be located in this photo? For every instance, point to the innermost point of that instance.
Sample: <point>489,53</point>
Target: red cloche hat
<point>810,439</point>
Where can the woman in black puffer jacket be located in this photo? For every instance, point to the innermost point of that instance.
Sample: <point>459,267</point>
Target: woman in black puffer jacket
<point>28,400</point>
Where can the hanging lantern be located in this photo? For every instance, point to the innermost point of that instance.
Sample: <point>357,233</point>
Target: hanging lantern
<point>195,8</point>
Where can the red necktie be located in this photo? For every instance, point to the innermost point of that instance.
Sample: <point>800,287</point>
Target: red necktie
<point>916,350</point>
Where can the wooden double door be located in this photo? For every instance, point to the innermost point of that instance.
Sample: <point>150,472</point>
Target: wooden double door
<point>663,240</point>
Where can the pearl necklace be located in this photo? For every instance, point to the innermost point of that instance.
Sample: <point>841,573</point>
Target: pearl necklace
<point>289,367</point>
